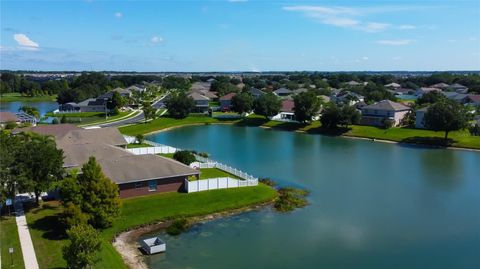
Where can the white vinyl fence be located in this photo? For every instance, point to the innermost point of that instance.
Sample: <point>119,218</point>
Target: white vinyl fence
<point>202,162</point>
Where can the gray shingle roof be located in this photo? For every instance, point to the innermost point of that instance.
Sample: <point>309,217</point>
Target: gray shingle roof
<point>387,105</point>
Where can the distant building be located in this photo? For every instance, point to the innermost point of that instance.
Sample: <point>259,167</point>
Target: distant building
<point>348,98</point>
<point>18,118</point>
<point>423,90</point>
<point>283,92</point>
<point>441,85</point>
<point>458,88</point>
<point>137,88</point>
<point>226,100</point>
<point>376,114</point>
<point>393,85</point>
<point>201,101</point>
<point>286,111</point>
<point>255,92</point>
<point>89,105</point>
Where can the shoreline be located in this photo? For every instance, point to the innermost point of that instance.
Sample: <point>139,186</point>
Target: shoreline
<point>126,243</point>
<point>303,132</point>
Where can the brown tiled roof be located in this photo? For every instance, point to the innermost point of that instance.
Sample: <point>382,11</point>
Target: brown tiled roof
<point>56,130</point>
<point>109,136</point>
<point>287,106</point>
<point>387,105</point>
<point>7,116</point>
<point>228,96</point>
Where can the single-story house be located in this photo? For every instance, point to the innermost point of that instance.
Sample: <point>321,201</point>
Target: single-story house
<point>201,101</point>
<point>89,105</point>
<point>137,88</point>
<point>423,90</point>
<point>207,93</point>
<point>226,100</point>
<point>18,118</point>
<point>255,92</point>
<point>348,98</point>
<point>419,118</point>
<point>393,85</point>
<point>283,92</point>
<point>458,88</point>
<point>287,112</point>
<point>135,175</point>
<point>375,114</point>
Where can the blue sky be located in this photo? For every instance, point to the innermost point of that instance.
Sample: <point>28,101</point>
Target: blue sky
<point>240,35</point>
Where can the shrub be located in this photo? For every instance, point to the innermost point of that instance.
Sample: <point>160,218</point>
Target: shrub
<point>203,154</point>
<point>184,156</point>
<point>268,182</point>
<point>83,248</point>
<point>55,121</point>
<point>177,227</point>
<point>140,138</point>
<point>10,125</point>
<point>63,119</point>
<point>289,199</point>
<point>388,123</point>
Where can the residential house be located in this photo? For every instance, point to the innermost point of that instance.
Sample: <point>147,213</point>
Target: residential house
<point>300,90</point>
<point>441,85</point>
<point>226,101</point>
<point>459,88</point>
<point>123,92</point>
<point>135,175</point>
<point>457,97</point>
<point>353,83</point>
<point>375,114</point>
<point>419,118</point>
<point>201,101</point>
<point>393,85</point>
<point>137,88</point>
<point>423,90</point>
<point>283,92</point>
<point>18,118</point>
<point>255,92</point>
<point>348,98</point>
<point>201,86</point>
<point>207,93</point>
<point>286,111</point>
<point>89,105</point>
<point>473,99</point>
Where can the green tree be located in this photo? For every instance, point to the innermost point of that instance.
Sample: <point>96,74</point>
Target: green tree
<point>117,101</point>
<point>64,119</point>
<point>149,111</point>
<point>83,247</point>
<point>41,163</point>
<point>140,138</point>
<point>331,116</point>
<point>30,110</point>
<point>349,115</point>
<point>267,105</point>
<point>100,198</point>
<point>307,105</point>
<point>242,103</point>
<point>179,105</point>
<point>430,98</point>
<point>446,115</point>
<point>10,146</point>
<point>184,156</point>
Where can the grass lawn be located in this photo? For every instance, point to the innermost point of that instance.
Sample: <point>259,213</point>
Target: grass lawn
<point>166,122</point>
<point>214,172</point>
<point>213,104</point>
<point>9,238</point>
<point>79,114</point>
<point>136,145</point>
<point>101,119</point>
<point>17,97</point>
<point>48,236</point>
<point>167,155</point>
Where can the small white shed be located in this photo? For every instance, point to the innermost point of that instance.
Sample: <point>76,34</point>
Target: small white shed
<point>153,245</point>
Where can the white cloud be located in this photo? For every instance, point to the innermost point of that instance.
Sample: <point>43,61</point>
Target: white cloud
<point>118,15</point>
<point>348,17</point>
<point>25,42</point>
<point>407,27</point>
<point>156,40</point>
<point>395,42</point>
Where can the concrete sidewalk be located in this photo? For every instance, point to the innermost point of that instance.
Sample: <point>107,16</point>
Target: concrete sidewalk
<point>29,257</point>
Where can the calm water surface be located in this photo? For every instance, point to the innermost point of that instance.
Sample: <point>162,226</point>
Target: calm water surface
<point>372,205</point>
<point>43,106</point>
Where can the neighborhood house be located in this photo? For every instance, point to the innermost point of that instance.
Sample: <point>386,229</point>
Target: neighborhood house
<point>377,113</point>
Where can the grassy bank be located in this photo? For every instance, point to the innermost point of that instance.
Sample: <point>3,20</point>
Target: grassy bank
<point>48,237</point>
<point>136,145</point>
<point>9,239</point>
<point>75,115</point>
<point>460,139</point>
<point>17,97</point>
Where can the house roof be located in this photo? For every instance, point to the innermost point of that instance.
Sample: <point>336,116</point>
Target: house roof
<point>475,98</point>
<point>109,135</point>
<point>228,96</point>
<point>198,97</point>
<point>201,85</point>
<point>136,88</point>
<point>387,105</point>
<point>255,91</point>
<point>457,86</point>
<point>206,93</point>
<point>283,91</point>
<point>393,85</point>
<point>56,130</point>
<point>429,89</point>
<point>440,85</point>
<point>122,90</point>
<point>6,116</point>
<point>353,83</point>
<point>300,90</point>
<point>287,106</point>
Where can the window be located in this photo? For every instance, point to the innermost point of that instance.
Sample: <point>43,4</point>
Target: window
<point>138,185</point>
<point>152,185</point>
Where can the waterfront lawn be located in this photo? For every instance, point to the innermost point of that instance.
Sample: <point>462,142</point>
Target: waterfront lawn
<point>136,145</point>
<point>167,122</point>
<point>17,97</point>
<point>214,173</point>
<point>75,115</point>
<point>167,155</point>
<point>48,235</point>
<point>9,238</point>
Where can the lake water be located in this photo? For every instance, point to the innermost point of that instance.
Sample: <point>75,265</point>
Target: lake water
<point>372,205</point>
<point>43,106</point>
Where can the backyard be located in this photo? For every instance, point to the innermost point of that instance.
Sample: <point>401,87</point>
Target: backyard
<point>49,236</point>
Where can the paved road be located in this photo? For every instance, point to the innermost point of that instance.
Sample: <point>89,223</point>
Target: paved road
<point>140,117</point>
